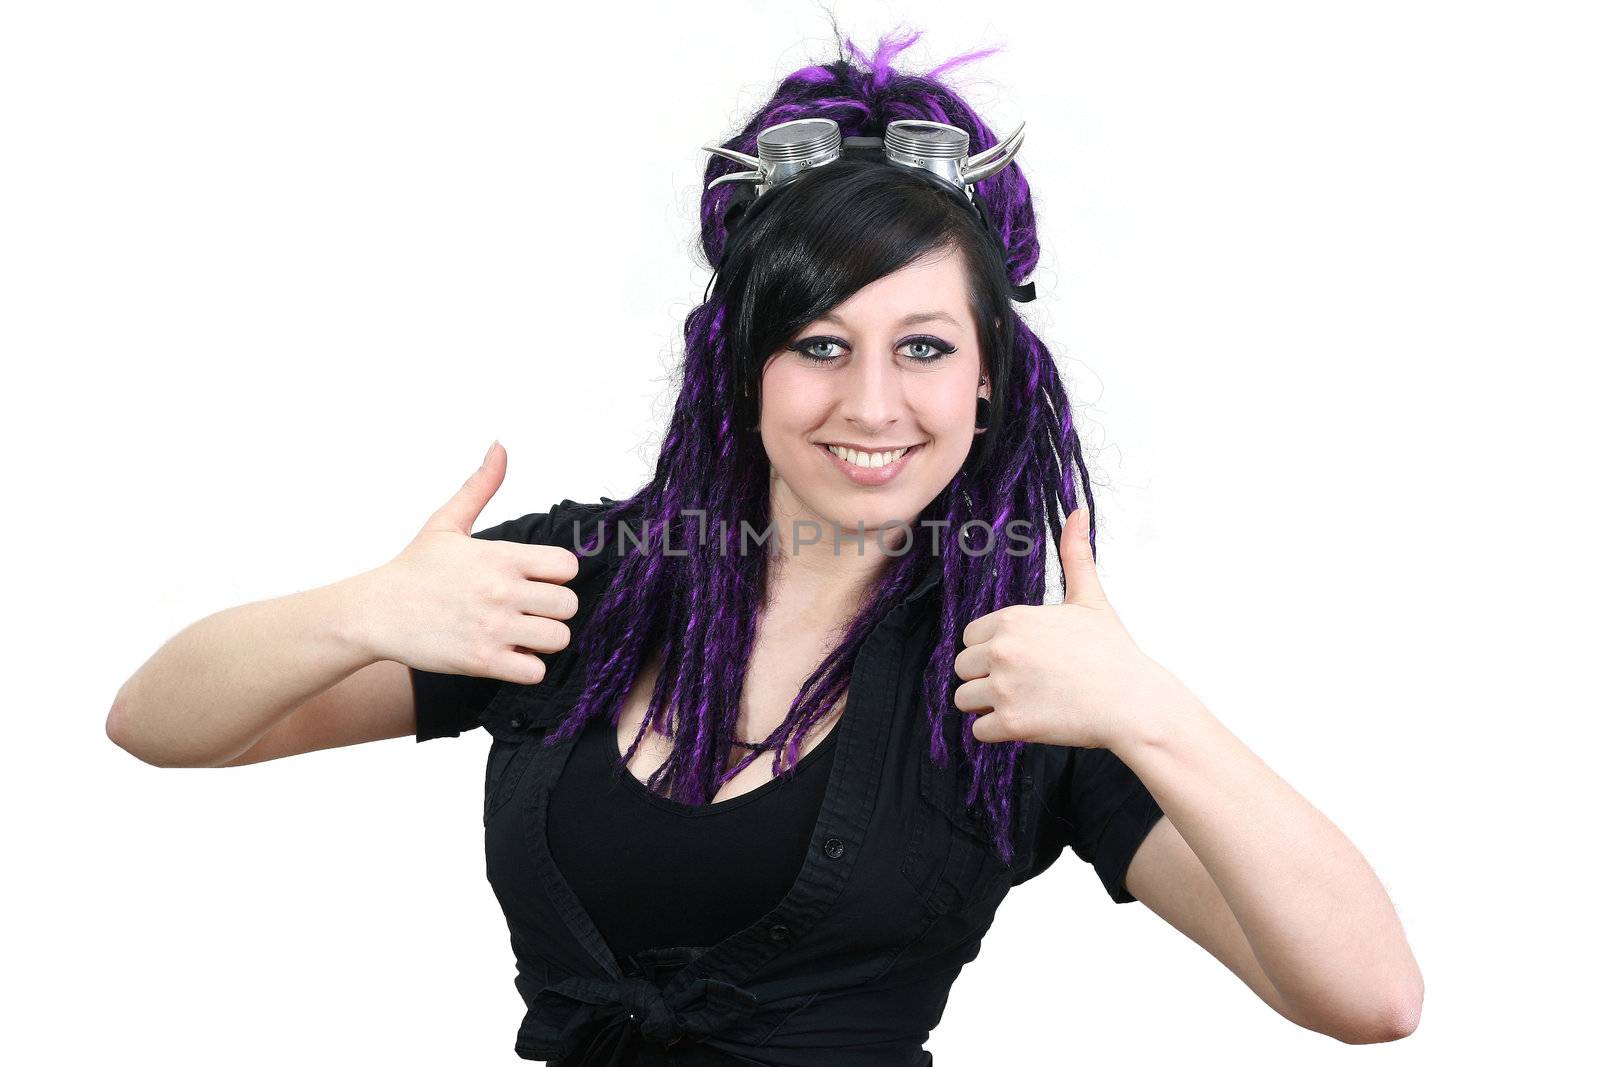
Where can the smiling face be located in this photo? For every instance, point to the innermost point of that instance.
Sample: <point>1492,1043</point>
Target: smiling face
<point>868,411</point>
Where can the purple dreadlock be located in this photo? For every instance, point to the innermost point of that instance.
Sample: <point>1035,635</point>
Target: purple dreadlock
<point>699,609</point>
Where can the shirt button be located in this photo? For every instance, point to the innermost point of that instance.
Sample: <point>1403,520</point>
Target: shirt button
<point>779,932</point>
<point>833,847</point>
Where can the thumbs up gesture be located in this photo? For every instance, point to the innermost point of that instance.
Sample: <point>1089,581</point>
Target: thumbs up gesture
<point>1059,674</point>
<point>456,604</point>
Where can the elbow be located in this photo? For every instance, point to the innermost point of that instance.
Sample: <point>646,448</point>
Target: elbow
<point>122,731</point>
<point>117,726</point>
<point>1372,1012</point>
<point>1398,1018</point>
<point>1408,1018</point>
<point>1405,1012</point>
<point>119,730</point>
<point>1392,1027</point>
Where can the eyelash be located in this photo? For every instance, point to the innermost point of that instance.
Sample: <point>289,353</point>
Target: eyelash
<point>941,348</point>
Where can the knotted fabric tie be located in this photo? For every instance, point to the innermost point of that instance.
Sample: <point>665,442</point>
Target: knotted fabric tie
<point>597,1021</point>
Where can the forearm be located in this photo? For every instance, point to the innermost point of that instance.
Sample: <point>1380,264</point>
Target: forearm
<point>215,688</point>
<point>1319,922</point>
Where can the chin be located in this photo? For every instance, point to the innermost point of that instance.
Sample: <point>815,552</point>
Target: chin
<point>873,509</point>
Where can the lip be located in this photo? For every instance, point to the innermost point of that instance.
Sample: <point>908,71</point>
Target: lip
<point>870,448</point>
<point>868,475</point>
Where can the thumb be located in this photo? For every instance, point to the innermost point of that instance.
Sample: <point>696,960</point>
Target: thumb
<point>462,510</point>
<point>1077,561</point>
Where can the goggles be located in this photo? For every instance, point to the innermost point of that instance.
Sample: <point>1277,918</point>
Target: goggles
<point>935,150</point>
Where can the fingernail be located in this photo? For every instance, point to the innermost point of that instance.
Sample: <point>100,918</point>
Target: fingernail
<point>489,453</point>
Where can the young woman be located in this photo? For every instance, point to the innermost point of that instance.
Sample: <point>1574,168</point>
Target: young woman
<point>774,737</point>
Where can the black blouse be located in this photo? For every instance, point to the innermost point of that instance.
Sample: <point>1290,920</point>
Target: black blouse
<point>653,872</point>
<point>896,890</point>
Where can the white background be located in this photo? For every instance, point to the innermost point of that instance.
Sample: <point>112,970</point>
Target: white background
<point>1322,277</point>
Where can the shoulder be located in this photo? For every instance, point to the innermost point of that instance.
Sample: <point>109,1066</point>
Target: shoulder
<point>567,524</point>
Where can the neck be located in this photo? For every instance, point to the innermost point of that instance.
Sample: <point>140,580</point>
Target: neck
<point>817,568</point>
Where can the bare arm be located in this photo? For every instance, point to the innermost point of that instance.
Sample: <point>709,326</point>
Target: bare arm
<point>1169,879</point>
<point>1240,862</point>
<point>374,703</point>
<point>1246,867</point>
<point>222,684</point>
<point>328,666</point>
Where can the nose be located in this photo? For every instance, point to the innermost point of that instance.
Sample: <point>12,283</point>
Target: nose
<point>873,398</point>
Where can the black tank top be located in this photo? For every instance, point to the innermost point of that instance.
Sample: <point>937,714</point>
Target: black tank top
<point>656,873</point>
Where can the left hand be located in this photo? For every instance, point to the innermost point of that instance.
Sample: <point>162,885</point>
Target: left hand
<point>1059,674</point>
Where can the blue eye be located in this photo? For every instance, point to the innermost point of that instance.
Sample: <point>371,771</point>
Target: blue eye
<point>803,347</point>
<point>939,348</point>
<point>933,348</point>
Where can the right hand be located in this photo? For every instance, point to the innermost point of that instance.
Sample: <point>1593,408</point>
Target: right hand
<point>455,604</point>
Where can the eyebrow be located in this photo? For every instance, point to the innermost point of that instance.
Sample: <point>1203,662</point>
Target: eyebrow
<point>913,319</point>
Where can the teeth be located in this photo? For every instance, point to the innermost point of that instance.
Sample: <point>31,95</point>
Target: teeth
<point>867,459</point>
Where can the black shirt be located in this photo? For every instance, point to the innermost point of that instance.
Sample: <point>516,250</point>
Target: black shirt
<point>897,888</point>
<point>655,873</point>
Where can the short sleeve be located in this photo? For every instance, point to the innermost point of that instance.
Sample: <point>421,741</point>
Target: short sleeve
<point>450,704</point>
<point>1107,812</point>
